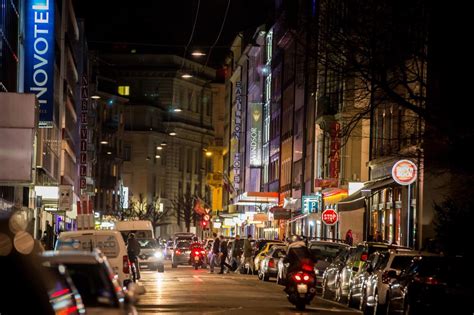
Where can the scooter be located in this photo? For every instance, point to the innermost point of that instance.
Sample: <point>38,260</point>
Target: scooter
<point>197,258</point>
<point>301,288</point>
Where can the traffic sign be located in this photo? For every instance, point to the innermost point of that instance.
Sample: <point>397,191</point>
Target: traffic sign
<point>310,204</point>
<point>330,217</point>
<point>65,198</point>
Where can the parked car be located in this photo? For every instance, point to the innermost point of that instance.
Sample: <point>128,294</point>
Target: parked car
<point>97,284</point>
<point>28,286</point>
<point>181,253</point>
<point>261,254</point>
<point>151,255</point>
<point>433,285</point>
<point>110,242</point>
<point>324,252</point>
<point>368,289</point>
<point>269,264</point>
<point>355,263</point>
<point>332,272</point>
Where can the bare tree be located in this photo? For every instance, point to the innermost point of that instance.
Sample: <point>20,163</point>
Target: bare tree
<point>140,209</point>
<point>183,205</point>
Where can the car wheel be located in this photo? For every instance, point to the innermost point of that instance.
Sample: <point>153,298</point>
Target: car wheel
<point>260,276</point>
<point>161,268</point>
<point>300,305</point>
<point>324,294</point>
<point>350,301</point>
<point>379,309</point>
<point>266,277</point>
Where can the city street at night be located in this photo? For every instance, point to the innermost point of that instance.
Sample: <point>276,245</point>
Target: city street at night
<point>189,291</point>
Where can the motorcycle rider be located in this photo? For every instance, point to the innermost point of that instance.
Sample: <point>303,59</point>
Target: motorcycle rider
<point>195,245</point>
<point>298,256</point>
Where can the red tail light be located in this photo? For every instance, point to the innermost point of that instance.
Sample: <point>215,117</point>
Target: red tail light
<point>298,277</point>
<point>177,252</point>
<point>271,263</point>
<point>427,280</point>
<point>196,253</point>
<point>126,265</point>
<point>364,256</point>
<point>302,277</point>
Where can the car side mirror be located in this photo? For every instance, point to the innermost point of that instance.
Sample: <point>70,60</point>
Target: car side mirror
<point>370,269</point>
<point>355,269</point>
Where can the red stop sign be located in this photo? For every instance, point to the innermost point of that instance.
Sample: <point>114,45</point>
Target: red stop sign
<point>330,217</point>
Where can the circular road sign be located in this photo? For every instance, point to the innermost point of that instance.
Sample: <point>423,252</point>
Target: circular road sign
<point>330,217</point>
<point>206,217</point>
<point>404,172</point>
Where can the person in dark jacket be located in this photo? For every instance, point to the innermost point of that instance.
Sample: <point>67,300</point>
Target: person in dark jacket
<point>349,238</point>
<point>223,255</point>
<point>133,250</point>
<point>215,253</point>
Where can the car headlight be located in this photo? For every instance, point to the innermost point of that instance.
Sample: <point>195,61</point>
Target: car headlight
<point>159,255</point>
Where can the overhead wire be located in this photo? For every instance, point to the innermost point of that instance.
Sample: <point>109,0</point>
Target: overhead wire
<point>220,33</point>
<point>192,34</point>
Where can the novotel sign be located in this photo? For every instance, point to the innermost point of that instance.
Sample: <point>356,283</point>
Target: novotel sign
<point>39,56</point>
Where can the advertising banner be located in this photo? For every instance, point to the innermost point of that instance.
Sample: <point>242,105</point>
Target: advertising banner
<point>39,57</point>
<point>255,142</point>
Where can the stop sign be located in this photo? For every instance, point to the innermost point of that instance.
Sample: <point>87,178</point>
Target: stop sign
<point>330,217</point>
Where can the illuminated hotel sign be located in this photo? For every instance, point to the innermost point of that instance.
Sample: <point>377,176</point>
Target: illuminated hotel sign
<point>256,135</point>
<point>238,110</point>
<point>84,131</point>
<point>39,57</point>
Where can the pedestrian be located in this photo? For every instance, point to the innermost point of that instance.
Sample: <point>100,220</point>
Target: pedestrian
<point>236,253</point>
<point>247,255</point>
<point>378,236</point>
<point>223,255</point>
<point>133,250</point>
<point>349,239</point>
<point>215,253</point>
<point>48,236</point>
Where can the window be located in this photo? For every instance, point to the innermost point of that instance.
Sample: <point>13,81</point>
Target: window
<point>189,159</point>
<point>181,159</point>
<point>124,90</point>
<point>196,162</point>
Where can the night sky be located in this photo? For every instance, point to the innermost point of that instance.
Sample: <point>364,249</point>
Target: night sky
<point>165,25</point>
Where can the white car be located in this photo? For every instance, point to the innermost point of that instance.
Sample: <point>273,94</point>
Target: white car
<point>90,272</point>
<point>151,254</point>
<point>109,242</point>
<point>141,228</point>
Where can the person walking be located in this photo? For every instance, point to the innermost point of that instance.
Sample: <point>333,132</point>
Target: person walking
<point>349,238</point>
<point>223,255</point>
<point>214,253</point>
<point>247,256</point>
<point>236,251</point>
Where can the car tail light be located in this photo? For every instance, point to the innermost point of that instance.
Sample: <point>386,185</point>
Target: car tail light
<point>271,263</point>
<point>298,278</point>
<point>126,265</point>
<point>305,277</point>
<point>427,280</point>
<point>364,257</point>
<point>196,253</point>
<point>177,252</point>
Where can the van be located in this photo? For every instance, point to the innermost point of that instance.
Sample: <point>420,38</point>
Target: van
<point>109,242</point>
<point>141,228</point>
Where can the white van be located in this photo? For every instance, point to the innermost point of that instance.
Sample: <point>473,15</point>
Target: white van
<point>109,242</point>
<point>141,228</point>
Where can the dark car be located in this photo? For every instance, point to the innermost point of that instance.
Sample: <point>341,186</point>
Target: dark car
<point>181,253</point>
<point>324,253</point>
<point>433,285</point>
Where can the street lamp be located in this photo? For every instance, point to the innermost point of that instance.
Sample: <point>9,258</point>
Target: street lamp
<point>198,53</point>
<point>186,76</point>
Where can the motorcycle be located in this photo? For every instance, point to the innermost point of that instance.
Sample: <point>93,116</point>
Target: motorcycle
<point>301,287</point>
<point>197,258</point>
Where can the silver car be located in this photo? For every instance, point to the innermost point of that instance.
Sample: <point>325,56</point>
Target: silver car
<point>151,254</point>
<point>181,253</point>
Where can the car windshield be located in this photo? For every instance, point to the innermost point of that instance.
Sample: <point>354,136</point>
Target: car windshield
<point>325,251</point>
<point>401,262</point>
<point>150,244</point>
<point>94,285</point>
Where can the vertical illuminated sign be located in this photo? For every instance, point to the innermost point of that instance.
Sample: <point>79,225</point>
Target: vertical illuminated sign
<point>39,57</point>
<point>256,135</point>
<point>84,131</point>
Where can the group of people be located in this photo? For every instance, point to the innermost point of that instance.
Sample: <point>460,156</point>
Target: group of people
<point>240,256</point>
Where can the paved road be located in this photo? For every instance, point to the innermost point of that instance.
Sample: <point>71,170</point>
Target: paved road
<point>188,291</point>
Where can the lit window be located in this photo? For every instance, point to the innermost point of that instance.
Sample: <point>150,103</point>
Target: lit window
<point>124,90</point>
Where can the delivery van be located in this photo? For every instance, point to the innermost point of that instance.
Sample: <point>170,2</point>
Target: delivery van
<point>141,228</point>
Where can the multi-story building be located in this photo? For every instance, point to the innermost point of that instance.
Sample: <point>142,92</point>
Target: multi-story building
<point>168,128</point>
<point>56,84</point>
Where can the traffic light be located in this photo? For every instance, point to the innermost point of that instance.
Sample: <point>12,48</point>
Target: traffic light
<point>205,221</point>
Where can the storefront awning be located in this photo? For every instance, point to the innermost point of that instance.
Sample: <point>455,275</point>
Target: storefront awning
<point>333,195</point>
<point>256,198</point>
<point>357,199</point>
